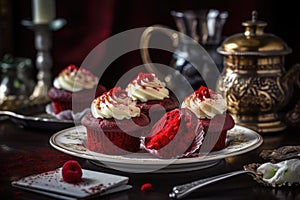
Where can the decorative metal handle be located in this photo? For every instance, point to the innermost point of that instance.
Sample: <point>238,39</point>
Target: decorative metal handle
<point>146,36</point>
<point>154,67</point>
<point>181,191</point>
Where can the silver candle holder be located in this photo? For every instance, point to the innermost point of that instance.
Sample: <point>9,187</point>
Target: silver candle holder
<point>44,61</point>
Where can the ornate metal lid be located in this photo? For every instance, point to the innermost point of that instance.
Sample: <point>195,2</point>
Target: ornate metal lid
<point>254,42</point>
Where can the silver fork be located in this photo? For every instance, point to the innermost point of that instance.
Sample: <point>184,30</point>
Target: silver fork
<point>181,191</point>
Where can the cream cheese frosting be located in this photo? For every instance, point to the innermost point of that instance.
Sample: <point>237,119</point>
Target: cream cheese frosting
<point>287,171</point>
<point>205,103</point>
<point>147,87</point>
<point>75,79</point>
<point>115,104</point>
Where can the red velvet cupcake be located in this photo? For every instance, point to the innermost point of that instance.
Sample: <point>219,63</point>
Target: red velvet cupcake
<point>210,108</point>
<point>74,81</point>
<point>177,134</point>
<point>115,124</point>
<point>152,96</point>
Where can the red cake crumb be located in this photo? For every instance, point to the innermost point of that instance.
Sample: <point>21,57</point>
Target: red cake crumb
<point>147,187</point>
<point>72,171</point>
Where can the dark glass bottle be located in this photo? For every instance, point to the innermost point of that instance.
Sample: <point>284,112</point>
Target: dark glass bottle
<point>16,83</point>
<point>204,27</point>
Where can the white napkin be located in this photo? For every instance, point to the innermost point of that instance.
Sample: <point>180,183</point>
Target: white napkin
<point>287,171</point>
<point>93,184</point>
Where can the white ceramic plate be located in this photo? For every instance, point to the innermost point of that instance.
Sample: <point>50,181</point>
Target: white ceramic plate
<point>71,141</point>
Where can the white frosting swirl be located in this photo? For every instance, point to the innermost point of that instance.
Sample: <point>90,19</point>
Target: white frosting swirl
<point>205,106</point>
<point>147,87</point>
<point>75,79</point>
<point>287,171</point>
<point>115,104</point>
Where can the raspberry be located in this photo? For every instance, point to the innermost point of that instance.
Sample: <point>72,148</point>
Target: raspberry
<point>71,171</point>
<point>147,187</point>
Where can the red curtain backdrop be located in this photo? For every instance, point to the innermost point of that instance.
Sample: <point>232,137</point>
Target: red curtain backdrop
<point>91,22</point>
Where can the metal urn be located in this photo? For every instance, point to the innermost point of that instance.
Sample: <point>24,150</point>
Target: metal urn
<point>254,80</point>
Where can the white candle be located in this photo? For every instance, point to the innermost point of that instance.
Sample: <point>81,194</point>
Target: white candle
<point>43,11</point>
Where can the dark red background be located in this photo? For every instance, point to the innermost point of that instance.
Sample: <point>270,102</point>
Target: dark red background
<point>92,21</point>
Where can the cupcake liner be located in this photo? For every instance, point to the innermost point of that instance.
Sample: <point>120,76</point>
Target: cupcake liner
<point>221,142</point>
<point>213,141</point>
<point>195,145</point>
<point>166,153</point>
<point>113,143</point>
<point>66,114</point>
<point>106,137</point>
<point>61,106</point>
<point>216,132</point>
<point>177,134</point>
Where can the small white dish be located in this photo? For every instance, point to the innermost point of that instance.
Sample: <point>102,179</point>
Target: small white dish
<point>93,184</point>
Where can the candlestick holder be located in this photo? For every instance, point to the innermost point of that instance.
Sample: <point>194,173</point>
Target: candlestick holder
<point>44,61</point>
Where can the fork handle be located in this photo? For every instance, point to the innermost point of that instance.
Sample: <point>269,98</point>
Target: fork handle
<point>180,191</point>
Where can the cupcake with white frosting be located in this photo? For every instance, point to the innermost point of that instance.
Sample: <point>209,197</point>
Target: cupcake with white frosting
<point>115,123</point>
<point>152,95</point>
<point>211,110</point>
<point>71,81</point>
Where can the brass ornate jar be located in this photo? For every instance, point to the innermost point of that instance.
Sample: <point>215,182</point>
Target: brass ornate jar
<point>254,80</point>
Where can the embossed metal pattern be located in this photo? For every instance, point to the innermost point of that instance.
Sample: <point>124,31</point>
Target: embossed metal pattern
<point>254,80</point>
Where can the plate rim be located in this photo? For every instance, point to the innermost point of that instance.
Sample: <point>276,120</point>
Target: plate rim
<point>153,161</point>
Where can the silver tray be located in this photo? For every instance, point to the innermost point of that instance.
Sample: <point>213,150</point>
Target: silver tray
<point>35,117</point>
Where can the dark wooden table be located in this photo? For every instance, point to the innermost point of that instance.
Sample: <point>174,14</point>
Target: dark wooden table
<point>26,151</point>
